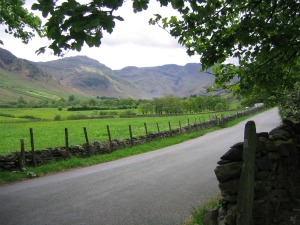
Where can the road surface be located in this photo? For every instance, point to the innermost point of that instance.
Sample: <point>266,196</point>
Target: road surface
<point>156,188</point>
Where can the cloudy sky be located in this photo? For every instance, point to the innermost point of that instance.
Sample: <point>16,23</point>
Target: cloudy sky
<point>132,43</point>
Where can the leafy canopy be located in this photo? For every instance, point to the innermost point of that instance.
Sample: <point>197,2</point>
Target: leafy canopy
<point>264,35</point>
<point>18,21</point>
<point>71,24</point>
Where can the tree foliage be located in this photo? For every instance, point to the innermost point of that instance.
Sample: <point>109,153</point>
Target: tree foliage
<point>71,24</point>
<point>263,35</point>
<point>18,21</point>
<point>289,105</point>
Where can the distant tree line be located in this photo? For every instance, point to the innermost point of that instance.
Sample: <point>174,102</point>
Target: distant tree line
<point>174,105</point>
<point>165,105</point>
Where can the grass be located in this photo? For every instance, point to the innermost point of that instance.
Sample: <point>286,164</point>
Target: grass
<point>52,133</point>
<point>71,163</point>
<point>197,216</point>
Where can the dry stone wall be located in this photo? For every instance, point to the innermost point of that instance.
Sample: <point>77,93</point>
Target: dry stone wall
<point>277,174</point>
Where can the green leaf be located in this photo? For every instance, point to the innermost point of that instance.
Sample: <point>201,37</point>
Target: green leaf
<point>139,5</point>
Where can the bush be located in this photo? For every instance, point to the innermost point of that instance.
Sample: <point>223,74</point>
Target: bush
<point>57,117</point>
<point>76,117</point>
<point>128,112</point>
<point>29,117</point>
<point>290,105</point>
<point>220,107</point>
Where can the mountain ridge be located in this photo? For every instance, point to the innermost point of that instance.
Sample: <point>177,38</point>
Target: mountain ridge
<point>88,77</point>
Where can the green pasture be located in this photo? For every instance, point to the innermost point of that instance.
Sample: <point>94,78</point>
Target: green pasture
<point>49,133</point>
<point>11,114</point>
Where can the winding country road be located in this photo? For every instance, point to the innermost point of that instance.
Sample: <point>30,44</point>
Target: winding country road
<point>155,188</point>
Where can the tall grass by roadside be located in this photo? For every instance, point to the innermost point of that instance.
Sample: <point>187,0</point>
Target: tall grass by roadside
<point>197,215</point>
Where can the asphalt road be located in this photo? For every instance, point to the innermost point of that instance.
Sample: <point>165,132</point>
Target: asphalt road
<point>155,188</point>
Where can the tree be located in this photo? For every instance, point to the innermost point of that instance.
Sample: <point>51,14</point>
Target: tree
<point>187,105</point>
<point>263,35</point>
<point>71,98</point>
<point>199,104</point>
<point>289,106</point>
<point>158,105</point>
<point>219,107</point>
<point>172,104</point>
<point>210,103</point>
<point>92,102</point>
<point>18,21</point>
<point>146,107</point>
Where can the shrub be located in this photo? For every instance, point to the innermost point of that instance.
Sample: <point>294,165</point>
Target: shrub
<point>290,104</point>
<point>76,117</point>
<point>29,117</point>
<point>219,107</point>
<point>128,112</point>
<point>7,115</point>
<point>57,117</point>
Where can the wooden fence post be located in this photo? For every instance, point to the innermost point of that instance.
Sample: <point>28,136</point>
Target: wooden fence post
<point>22,156</point>
<point>109,137</point>
<point>32,146</point>
<point>146,130</point>
<point>170,126</point>
<point>180,127</point>
<point>246,183</point>
<point>157,128</point>
<point>67,140</point>
<point>222,121</point>
<point>188,121</point>
<point>130,134</point>
<point>87,140</point>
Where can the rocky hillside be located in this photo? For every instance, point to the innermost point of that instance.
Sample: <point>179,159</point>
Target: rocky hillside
<point>96,79</point>
<point>181,81</point>
<point>22,78</point>
<point>87,77</point>
<point>91,77</point>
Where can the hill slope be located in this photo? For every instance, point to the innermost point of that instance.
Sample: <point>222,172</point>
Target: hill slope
<point>22,78</point>
<point>88,78</point>
<point>181,81</point>
<point>91,77</point>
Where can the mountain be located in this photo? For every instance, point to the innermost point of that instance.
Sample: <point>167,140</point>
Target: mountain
<point>23,78</point>
<point>87,78</point>
<point>159,81</point>
<point>91,77</point>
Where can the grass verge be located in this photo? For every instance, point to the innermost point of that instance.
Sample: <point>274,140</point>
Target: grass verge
<point>197,216</point>
<point>6,177</point>
<point>27,173</point>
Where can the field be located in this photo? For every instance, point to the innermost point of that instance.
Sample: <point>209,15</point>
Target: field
<point>15,125</point>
